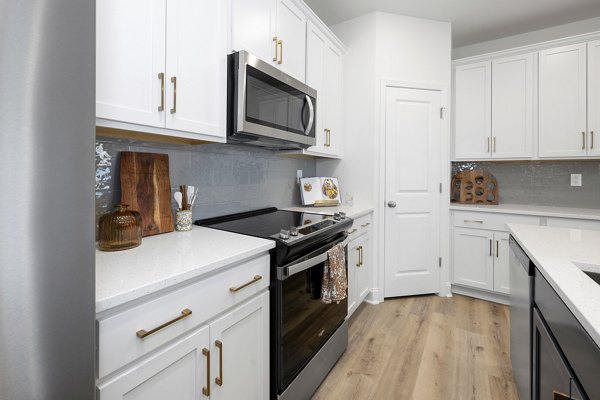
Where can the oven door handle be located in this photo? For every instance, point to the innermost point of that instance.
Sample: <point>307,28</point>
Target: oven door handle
<point>285,272</point>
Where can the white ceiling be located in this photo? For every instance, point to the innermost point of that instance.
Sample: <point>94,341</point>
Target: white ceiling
<point>473,21</point>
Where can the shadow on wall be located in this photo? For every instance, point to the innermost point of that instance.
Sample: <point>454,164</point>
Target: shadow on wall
<point>543,182</point>
<point>229,178</point>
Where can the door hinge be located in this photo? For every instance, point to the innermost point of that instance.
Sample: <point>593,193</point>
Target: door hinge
<point>442,111</point>
<point>440,262</point>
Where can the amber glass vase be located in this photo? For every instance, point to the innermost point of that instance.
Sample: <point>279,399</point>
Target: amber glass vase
<point>120,229</point>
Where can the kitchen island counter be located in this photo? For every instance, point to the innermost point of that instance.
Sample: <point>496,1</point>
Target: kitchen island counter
<point>560,255</point>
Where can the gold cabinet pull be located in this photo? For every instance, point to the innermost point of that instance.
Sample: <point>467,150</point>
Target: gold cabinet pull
<point>275,41</point>
<point>490,247</point>
<point>365,225</point>
<point>206,390</point>
<point>327,138</point>
<point>583,138</point>
<point>592,140</point>
<point>186,312</point>
<point>488,145</point>
<point>352,231</point>
<point>472,221</point>
<point>161,76</point>
<point>254,280</point>
<point>219,379</point>
<point>556,395</point>
<point>358,254</point>
<point>497,249</point>
<point>280,44</point>
<point>494,144</point>
<point>174,82</point>
<point>361,256</point>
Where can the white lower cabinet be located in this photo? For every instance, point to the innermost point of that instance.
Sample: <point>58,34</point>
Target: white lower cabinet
<point>236,346</point>
<point>176,372</point>
<point>359,263</point>
<point>480,251</point>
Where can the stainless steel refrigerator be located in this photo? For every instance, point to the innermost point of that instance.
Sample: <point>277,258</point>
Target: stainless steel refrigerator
<point>47,278</point>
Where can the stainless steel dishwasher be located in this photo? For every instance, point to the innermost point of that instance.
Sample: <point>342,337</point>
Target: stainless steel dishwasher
<point>522,272</point>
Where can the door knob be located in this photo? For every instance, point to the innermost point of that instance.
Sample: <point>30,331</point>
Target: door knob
<point>391,204</point>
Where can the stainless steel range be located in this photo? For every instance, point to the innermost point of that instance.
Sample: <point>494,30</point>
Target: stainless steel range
<point>307,335</point>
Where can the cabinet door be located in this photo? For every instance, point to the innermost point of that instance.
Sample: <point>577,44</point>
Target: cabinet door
<point>363,272</point>
<point>177,372</point>
<point>316,46</point>
<point>512,107</point>
<point>130,55</point>
<point>501,263</point>
<point>472,111</point>
<point>252,27</point>
<point>593,113</point>
<point>353,261</point>
<point>197,66</point>
<point>332,100</point>
<point>291,31</point>
<point>551,378</point>
<point>473,258</point>
<point>240,352</point>
<point>562,101</point>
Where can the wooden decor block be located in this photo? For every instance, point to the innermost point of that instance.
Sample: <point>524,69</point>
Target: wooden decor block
<point>474,187</point>
<point>146,187</point>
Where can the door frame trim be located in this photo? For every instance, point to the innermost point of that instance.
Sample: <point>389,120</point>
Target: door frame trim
<point>380,159</point>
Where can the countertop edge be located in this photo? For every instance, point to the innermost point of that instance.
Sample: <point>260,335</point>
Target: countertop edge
<point>514,209</point>
<point>592,331</point>
<point>166,283</point>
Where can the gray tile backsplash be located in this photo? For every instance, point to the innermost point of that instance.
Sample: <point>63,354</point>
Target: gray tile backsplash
<point>230,178</point>
<point>543,182</point>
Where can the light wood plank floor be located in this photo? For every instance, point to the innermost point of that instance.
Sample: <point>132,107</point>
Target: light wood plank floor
<point>425,348</point>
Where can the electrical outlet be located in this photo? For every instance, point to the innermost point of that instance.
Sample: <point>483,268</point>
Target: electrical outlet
<point>576,180</point>
<point>298,175</point>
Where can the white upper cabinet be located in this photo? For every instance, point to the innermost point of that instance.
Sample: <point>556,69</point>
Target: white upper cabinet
<point>272,30</point>
<point>316,47</point>
<point>472,111</point>
<point>291,39</point>
<point>562,102</point>
<point>130,55</point>
<point>196,61</point>
<point>594,98</point>
<point>162,64</point>
<point>252,27</point>
<point>512,107</point>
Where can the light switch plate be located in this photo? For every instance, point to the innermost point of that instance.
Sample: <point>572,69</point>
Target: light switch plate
<point>576,180</point>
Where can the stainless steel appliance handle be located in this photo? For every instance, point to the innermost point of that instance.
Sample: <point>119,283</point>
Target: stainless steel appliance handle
<point>285,272</point>
<point>311,118</point>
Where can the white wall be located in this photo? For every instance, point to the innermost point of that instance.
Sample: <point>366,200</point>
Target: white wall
<point>381,46</point>
<point>542,35</point>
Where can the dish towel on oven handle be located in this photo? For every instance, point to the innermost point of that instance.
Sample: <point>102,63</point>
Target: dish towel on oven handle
<point>335,282</point>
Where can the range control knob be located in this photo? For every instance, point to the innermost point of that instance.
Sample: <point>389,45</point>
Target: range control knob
<point>337,216</point>
<point>284,234</point>
<point>342,215</point>
<point>293,231</point>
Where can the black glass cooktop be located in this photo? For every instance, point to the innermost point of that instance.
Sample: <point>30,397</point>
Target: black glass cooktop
<point>268,223</point>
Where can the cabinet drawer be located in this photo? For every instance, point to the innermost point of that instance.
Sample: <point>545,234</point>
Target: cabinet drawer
<point>118,340</point>
<point>497,222</point>
<point>362,225</point>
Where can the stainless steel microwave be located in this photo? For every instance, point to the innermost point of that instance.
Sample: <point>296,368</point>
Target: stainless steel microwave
<point>266,107</point>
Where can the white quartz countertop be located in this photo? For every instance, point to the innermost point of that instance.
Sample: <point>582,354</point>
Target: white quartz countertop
<point>555,251</point>
<point>165,260</point>
<point>355,211</point>
<point>525,209</point>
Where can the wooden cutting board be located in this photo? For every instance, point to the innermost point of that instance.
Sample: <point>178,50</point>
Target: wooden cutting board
<point>146,187</point>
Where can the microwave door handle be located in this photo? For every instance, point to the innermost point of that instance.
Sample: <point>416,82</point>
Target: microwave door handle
<point>285,272</point>
<point>311,118</point>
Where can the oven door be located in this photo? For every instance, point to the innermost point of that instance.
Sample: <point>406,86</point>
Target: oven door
<point>303,323</point>
<point>272,107</point>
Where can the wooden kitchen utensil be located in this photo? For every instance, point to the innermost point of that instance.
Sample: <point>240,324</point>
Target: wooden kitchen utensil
<point>474,187</point>
<point>146,187</point>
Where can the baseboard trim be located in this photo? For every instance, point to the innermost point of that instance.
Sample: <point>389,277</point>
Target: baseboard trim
<point>481,294</point>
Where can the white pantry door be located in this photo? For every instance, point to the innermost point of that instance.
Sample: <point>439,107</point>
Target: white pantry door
<point>412,221</point>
